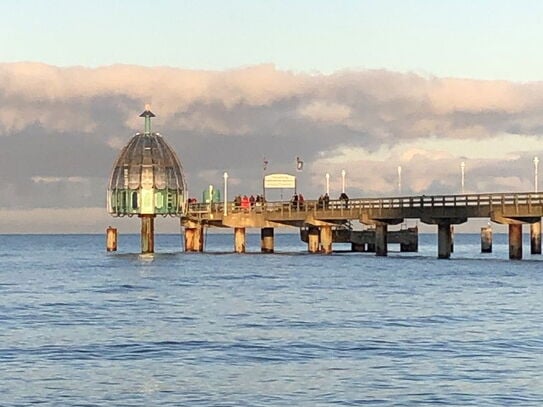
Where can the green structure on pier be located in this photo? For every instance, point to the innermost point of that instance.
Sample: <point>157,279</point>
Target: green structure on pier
<point>147,178</point>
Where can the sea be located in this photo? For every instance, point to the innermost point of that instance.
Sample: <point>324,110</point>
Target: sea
<point>83,327</point>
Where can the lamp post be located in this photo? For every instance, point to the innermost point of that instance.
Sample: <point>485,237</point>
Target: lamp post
<point>225,208</point>
<point>327,176</point>
<point>343,181</point>
<point>399,179</point>
<point>536,162</point>
<point>463,170</point>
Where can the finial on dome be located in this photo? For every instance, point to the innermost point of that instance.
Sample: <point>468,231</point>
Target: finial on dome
<point>147,114</point>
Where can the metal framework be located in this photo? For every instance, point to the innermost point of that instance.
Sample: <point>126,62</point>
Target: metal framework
<point>147,177</point>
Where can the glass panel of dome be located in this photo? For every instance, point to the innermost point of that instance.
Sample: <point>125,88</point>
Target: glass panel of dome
<point>160,177</point>
<point>134,177</point>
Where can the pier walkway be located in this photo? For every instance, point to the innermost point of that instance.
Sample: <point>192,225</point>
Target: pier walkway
<point>513,209</point>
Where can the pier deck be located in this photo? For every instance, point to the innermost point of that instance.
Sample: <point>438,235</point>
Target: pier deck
<point>513,209</point>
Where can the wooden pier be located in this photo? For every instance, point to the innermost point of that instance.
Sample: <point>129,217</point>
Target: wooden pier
<point>444,211</point>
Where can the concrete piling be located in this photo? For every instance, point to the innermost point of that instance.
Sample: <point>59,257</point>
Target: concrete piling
<point>535,238</point>
<point>313,239</point>
<point>358,247</point>
<point>452,238</point>
<point>381,239</point>
<point>147,234</point>
<point>194,239</point>
<point>515,241</point>
<point>486,239</point>
<point>111,239</point>
<point>239,240</point>
<point>326,239</point>
<point>444,238</point>
<point>266,240</point>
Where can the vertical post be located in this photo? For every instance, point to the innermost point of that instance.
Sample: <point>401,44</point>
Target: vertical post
<point>225,205</point>
<point>486,239</point>
<point>381,239</point>
<point>327,176</point>
<point>199,238</point>
<point>266,240</point>
<point>239,240</point>
<point>313,239</point>
<point>147,234</point>
<point>194,239</point>
<point>444,239</point>
<point>515,242</point>
<point>326,239</point>
<point>535,238</point>
<point>462,169</point>
<point>536,162</point>
<point>189,239</point>
<point>452,238</point>
<point>343,181</point>
<point>535,228</point>
<point>399,179</point>
<point>410,240</point>
<point>111,239</point>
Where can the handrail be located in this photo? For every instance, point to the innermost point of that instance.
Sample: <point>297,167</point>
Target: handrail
<point>515,199</point>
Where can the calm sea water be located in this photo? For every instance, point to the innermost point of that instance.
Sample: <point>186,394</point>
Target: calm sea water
<point>80,327</point>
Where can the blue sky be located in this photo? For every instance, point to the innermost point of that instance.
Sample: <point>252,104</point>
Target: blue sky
<point>473,39</point>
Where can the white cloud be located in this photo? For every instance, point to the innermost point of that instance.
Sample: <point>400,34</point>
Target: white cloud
<point>321,111</point>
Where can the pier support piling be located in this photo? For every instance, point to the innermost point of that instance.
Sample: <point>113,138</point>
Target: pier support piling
<point>358,247</point>
<point>486,239</point>
<point>111,239</point>
<point>147,234</point>
<point>194,239</point>
<point>381,239</point>
<point>444,238</point>
<point>266,240</point>
<point>239,240</point>
<point>326,239</point>
<point>313,239</point>
<point>535,238</point>
<point>515,241</point>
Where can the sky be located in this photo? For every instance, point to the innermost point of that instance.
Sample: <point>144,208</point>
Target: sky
<point>360,86</point>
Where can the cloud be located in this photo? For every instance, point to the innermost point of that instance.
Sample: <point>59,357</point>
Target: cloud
<point>61,129</point>
<point>325,112</point>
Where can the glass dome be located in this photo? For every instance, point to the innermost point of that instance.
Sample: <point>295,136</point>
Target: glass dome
<point>147,177</point>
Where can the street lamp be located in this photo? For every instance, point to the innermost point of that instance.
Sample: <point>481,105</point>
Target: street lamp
<point>399,179</point>
<point>536,162</point>
<point>343,181</point>
<point>463,168</point>
<point>327,183</point>
<point>225,208</point>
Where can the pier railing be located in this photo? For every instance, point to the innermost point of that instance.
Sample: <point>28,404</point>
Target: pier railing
<point>493,201</point>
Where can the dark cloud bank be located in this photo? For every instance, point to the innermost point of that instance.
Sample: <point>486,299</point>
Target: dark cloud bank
<point>61,128</point>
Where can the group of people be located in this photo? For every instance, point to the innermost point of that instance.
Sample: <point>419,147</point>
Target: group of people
<point>247,202</point>
<point>297,201</point>
<point>323,201</point>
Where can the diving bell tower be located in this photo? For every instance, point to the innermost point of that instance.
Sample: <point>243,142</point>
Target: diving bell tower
<point>147,180</point>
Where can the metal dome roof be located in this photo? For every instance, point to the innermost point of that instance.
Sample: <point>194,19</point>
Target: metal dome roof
<point>147,162</point>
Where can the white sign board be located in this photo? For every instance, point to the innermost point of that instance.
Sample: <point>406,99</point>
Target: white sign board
<point>280,181</point>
